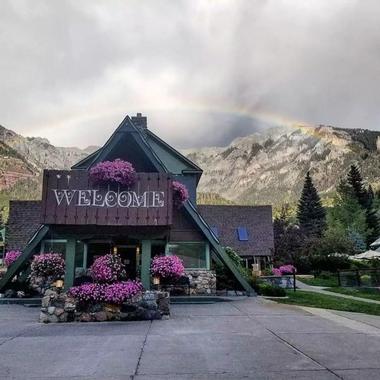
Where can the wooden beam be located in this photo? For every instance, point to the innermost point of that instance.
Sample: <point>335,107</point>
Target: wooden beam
<point>146,253</point>
<point>18,265</point>
<point>70,263</point>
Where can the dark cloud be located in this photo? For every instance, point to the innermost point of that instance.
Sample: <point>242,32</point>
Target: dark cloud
<point>71,70</point>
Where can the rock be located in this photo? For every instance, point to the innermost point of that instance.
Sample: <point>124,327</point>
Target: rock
<point>51,310</point>
<point>52,318</point>
<point>63,317</point>
<point>45,301</point>
<point>85,317</point>
<point>10,293</point>
<point>100,316</point>
<point>50,292</point>
<point>69,307</point>
<point>59,311</point>
<point>43,318</point>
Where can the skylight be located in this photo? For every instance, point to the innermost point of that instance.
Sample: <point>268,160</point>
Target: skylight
<point>242,234</point>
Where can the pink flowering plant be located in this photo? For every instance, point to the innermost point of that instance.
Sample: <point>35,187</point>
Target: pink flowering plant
<point>87,293</point>
<point>284,269</point>
<point>48,265</point>
<point>116,293</point>
<point>167,267</point>
<point>108,268</point>
<point>11,257</point>
<point>113,172</point>
<point>180,193</point>
<point>120,292</point>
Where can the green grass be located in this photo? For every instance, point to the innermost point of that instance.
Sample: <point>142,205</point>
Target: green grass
<point>322,301</point>
<point>370,293</point>
<point>326,281</point>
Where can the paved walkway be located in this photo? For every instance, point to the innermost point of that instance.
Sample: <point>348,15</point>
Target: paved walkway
<point>321,290</point>
<point>250,338</point>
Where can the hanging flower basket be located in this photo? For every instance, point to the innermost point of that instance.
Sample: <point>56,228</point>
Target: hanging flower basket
<point>113,172</point>
<point>180,193</point>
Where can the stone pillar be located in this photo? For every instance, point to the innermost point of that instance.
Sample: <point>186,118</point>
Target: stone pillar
<point>70,263</point>
<point>146,249</point>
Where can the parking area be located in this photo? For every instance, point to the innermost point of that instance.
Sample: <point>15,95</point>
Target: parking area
<point>250,338</point>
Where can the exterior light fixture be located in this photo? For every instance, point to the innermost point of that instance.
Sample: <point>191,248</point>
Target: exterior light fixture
<point>156,280</point>
<point>59,285</point>
<point>114,250</point>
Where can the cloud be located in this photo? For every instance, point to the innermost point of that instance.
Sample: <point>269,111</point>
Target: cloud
<point>203,71</point>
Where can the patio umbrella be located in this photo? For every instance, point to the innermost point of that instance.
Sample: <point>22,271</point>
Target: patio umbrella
<point>368,255</point>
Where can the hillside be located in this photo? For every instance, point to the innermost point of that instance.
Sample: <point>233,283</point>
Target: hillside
<point>22,160</point>
<point>269,167</point>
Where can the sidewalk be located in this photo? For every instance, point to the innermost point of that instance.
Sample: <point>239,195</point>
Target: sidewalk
<point>321,290</point>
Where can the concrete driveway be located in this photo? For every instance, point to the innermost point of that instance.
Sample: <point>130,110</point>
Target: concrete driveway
<point>242,339</point>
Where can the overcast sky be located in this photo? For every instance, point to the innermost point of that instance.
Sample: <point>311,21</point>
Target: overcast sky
<point>203,71</point>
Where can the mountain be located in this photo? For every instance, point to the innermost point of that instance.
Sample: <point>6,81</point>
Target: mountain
<point>22,160</point>
<point>269,166</point>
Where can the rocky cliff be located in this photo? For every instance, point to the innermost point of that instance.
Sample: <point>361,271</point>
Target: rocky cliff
<point>269,167</point>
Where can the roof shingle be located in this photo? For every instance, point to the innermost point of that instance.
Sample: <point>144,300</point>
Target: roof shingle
<point>256,219</point>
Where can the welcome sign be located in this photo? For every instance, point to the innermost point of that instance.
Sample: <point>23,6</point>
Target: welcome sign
<point>70,197</point>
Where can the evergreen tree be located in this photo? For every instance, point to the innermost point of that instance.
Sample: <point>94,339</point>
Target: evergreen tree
<point>355,181</point>
<point>310,213</point>
<point>366,200</point>
<point>288,238</point>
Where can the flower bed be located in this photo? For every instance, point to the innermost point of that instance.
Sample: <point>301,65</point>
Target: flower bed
<point>284,269</point>
<point>115,293</point>
<point>63,307</point>
<point>113,172</point>
<point>11,257</point>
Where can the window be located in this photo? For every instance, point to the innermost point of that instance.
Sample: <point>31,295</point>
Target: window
<point>59,246</point>
<point>193,255</point>
<point>242,234</point>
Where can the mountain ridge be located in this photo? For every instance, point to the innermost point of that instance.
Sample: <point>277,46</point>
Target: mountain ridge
<point>265,167</point>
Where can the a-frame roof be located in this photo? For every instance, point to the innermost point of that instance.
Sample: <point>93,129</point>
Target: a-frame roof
<point>163,156</point>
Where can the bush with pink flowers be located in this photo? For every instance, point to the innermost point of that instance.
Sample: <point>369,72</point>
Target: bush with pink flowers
<point>120,292</point>
<point>113,172</point>
<point>180,193</point>
<point>11,257</point>
<point>48,265</point>
<point>167,267</point>
<point>87,293</point>
<point>116,293</point>
<point>284,269</point>
<point>108,268</point>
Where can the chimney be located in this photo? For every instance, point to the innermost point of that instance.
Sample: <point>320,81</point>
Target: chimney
<point>140,121</point>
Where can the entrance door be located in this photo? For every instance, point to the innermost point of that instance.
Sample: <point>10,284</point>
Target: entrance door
<point>128,255</point>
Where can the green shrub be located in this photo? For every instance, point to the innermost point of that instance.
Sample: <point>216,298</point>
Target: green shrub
<point>270,290</point>
<point>331,263</point>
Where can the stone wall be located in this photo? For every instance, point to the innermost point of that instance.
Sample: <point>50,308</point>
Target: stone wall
<point>58,307</point>
<point>202,282</point>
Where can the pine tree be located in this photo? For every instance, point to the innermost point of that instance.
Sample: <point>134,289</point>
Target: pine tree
<point>310,213</point>
<point>366,200</point>
<point>355,181</point>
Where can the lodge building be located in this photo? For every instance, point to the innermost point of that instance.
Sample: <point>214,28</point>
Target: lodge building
<point>83,221</point>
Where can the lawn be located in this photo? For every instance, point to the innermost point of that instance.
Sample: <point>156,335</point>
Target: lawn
<point>370,293</point>
<point>327,281</point>
<point>322,301</point>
